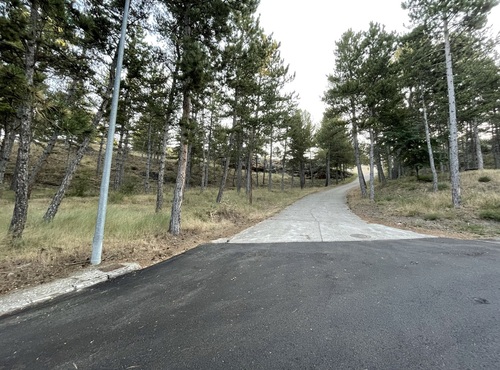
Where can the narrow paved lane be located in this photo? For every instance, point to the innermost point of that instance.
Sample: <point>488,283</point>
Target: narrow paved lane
<point>320,217</point>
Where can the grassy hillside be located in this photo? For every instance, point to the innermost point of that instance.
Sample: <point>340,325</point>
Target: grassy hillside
<point>134,232</point>
<point>410,203</point>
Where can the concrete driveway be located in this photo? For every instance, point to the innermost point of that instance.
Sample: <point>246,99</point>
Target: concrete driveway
<point>321,217</point>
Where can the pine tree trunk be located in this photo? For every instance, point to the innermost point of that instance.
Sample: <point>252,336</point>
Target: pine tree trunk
<point>479,153</point>
<point>328,165</point>
<point>189,166</point>
<point>227,160</point>
<point>357,158</point>
<point>429,147</point>
<point>164,142</point>
<point>256,171</point>
<point>302,174</point>
<point>283,166</point>
<point>5,152</point>
<point>357,155</point>
<point>118,180</point>
<point>206,155</point>
<point>147,185</point>
<point>99,157</point>
<point>175,214</point>
<point>372,166</point>
<point>495,137</point>
<point>225,170</point>
<point>239,174</point>
<point>25,116</point>
<point>73,165</point>
<point>270,183</point>
<point>310,168</point>
<point>68,176</point>
<point>454,162</point>
<point>380,169</point>
<point>43,158</point>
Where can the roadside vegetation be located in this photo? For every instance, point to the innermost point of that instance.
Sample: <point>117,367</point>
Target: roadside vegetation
<point>410,203</point>
<point>134,231</point>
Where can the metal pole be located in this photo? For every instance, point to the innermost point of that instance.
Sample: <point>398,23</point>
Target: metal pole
<point>103,196</point>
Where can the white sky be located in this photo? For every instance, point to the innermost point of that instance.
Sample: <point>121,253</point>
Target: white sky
<point>308,30</point>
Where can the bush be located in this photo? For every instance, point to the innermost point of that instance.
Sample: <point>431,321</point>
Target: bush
<point>128,188</point>
<point>443,186</point>
<point>115,197</point>
<point>484,179</point>
<point>431,217</point>
<point>80,187</point>
<point>424,178</point>
<point>490,214</point>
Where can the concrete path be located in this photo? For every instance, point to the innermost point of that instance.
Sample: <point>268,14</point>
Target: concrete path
<point>320,217</point>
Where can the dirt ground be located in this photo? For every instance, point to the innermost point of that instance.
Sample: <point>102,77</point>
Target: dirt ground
<point>17,274</point>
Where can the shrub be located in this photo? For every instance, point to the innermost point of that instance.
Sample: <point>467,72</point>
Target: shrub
<point>424,178</point>
<point>443,186</point>
<point>431,217</point>
<point>115,197</point>
<point>128,188</point>
<point>490,214</point>
<point>484,179</point>
<point>80,187</point>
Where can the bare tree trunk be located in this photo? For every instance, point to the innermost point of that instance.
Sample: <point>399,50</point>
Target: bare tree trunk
<point>175,214</point>
<point>357,155</point>
<point>227,160</point>
<point>270,183</point>
<point>302,174</point>
<point>189,165</point>
<point>372,166</point>
<point>283,166</point>
<point>380,169</point>
<point>164,141</point>
<point>328,165</point>
<point>5,152</point>
<point>72,167</point>
<point>25,116</point>
<point>454,162</point>
<point>479,153</point>
<point>147,185</point>
<point>207,142</point>
<point>257,170</point>
<point>495,137</point>
<point>99,156</point>
<point>429,147</point>
<point>39,164</point>
<point>239,174</point>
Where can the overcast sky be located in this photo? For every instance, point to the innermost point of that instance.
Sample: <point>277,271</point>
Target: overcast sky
<point>308,29</point>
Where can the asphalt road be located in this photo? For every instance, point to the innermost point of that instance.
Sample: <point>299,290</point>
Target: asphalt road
<point>374,304</point>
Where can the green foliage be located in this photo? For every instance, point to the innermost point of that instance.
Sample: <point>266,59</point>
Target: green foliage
<point>116,197</point>
<point>80,187</point>
<point>443,186</point>
<point>431,217</point>
<point>490,214</point>
<point>424,178</point>
<point>484,179</point>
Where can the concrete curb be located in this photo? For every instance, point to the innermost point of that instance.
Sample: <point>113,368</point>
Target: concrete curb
<point>21,299</point>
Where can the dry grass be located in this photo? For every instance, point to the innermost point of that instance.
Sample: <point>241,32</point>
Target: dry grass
<point>133,231</point>
<point>412,204</point>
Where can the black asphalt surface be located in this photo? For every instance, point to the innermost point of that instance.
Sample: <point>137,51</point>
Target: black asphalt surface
<point>405,304</point>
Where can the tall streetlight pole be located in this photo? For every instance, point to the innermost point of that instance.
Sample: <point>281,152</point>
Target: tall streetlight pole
<point>103,196</point>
